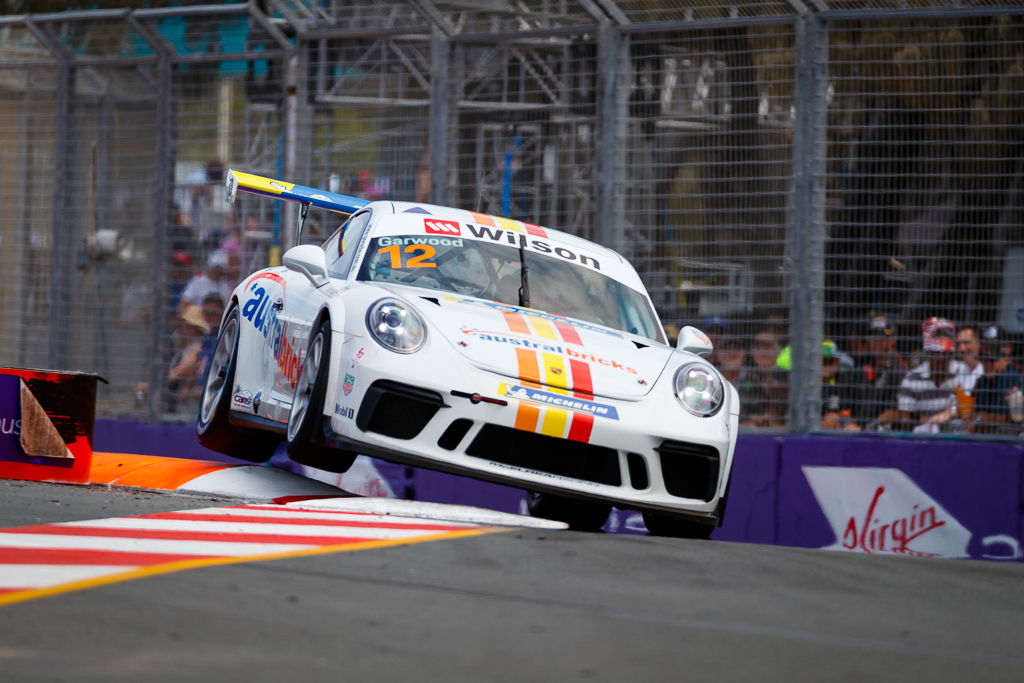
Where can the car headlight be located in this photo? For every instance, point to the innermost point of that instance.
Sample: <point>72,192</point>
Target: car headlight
<point>699,389</point>
<point>395,326</point>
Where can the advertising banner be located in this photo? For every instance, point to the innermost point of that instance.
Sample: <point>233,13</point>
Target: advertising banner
<point>920,498</point>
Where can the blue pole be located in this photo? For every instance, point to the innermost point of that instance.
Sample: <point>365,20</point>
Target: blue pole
<point>506,188</point>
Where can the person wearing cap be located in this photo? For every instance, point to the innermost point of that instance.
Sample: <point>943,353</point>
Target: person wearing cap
<point>965,369</point>
<point>836,386</point>
<point>999,387</point>
<point>879,377</point>
<point>925,398</point>
<point>214,280</point>
<point>183,376</point>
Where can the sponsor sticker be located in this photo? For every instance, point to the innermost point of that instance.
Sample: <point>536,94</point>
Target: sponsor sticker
<point>550,348</point>
<point>519,240</point>
<point>436,226</point>
<point>242,400</point>
<point>560,400</point>
<point>348,384</point>
<point>344,411</point>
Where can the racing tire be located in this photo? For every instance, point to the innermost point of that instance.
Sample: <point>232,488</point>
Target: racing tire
<point>305,420</point>
<point>676,527</point>
<point>213,425</point>
<point>580,515</point>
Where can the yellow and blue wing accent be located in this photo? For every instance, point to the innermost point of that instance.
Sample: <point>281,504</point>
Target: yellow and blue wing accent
<point>278,189</point>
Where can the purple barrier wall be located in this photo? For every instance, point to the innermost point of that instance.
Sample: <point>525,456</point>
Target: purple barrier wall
<point>753,492</point>
<point>169,439</point>
<point>861,494</point>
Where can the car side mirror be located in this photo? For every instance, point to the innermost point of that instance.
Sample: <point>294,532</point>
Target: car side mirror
<point>694,341</point>
<point>310,260</point>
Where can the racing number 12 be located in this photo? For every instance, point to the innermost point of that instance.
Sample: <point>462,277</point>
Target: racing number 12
<point>419,256</point>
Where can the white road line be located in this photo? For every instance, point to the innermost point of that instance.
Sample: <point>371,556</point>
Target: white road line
<point>197,525</point>
<point>293,513</point>
<point>41,575</point>
<point>146,545</point>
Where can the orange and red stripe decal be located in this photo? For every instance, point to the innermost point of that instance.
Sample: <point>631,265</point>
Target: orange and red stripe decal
<point>516,323</point>
<point>551,420</point>
<point>529,368</point>
<point>542,327</point>
<point>582,384</point>
<point>569,334</point>
<point>483,219</point>
<point>582,425</point>
<point>527,417</point>
<point>534,230</point>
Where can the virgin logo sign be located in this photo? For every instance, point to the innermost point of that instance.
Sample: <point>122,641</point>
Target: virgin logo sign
<point>871,535</point>
<point>437,226</point>
<point>882,510</point>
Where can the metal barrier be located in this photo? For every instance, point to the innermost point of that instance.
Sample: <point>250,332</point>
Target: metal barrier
<point>808,182</point>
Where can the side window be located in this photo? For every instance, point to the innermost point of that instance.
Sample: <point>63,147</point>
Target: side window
<point>330,247</point>
<point>341,248</point>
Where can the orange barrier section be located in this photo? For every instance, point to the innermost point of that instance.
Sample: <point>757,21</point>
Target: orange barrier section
<point>148,471</point>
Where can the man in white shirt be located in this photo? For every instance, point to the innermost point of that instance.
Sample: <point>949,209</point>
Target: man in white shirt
<point>925,395</point>
<point>967,369</point>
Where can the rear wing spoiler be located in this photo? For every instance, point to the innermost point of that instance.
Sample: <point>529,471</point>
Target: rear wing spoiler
<point>305,196</point>
<point>278,189</point>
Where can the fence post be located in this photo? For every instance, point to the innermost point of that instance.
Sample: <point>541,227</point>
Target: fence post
<point>807,224</point>
<point>60,264</point>
<point>439,108</point>
<point>285,236</point>
<point>163,180</point>
<point>607,222</point>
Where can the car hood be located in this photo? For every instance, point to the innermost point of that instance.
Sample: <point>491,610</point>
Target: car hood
<point>534,347</point>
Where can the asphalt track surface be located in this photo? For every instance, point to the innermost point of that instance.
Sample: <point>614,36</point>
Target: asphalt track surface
<point>516,605</point>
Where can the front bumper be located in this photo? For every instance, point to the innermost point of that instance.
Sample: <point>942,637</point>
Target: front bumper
<point>651,456</point>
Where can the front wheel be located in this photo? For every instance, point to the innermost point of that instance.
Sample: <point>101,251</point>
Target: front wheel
<point>306,416</point>
<point>213,427</point>
<point>580,515</point>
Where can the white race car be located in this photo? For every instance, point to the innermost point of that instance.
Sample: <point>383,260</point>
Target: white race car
<point>477,345</point>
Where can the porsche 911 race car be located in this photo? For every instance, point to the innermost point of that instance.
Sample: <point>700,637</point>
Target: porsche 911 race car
<point>476,345</point>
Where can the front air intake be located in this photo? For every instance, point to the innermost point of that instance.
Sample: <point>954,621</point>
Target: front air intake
<point>398,410</point>
<point>549,454</point>
<point>689,470</point>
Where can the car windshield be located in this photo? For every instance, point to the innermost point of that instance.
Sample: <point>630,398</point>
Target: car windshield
<point>492,271</point>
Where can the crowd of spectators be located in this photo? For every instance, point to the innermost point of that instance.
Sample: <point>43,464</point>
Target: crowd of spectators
<point>944,378</point>
<point>204,265</point>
